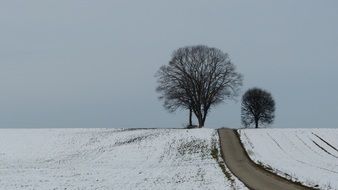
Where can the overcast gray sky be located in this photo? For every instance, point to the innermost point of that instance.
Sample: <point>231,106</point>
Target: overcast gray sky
<point>91,63</point>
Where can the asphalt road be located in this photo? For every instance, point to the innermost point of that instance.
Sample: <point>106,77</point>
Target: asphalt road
<point>253,176</point>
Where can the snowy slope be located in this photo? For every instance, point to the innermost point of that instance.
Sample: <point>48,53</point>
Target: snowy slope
<point>110,159</point>
<point>309,156</point>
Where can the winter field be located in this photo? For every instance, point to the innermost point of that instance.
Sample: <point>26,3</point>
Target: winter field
<point>309,156</point>
<point>112,159</point>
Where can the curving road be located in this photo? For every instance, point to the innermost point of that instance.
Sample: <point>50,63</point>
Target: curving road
<point>248,172</point>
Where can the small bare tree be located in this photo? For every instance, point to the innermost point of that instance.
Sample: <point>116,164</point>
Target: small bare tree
<point>258,107</point>
<point>197,78</point>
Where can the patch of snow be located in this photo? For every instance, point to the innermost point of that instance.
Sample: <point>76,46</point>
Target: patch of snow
<point>309,156</point>
<point>111,159</point>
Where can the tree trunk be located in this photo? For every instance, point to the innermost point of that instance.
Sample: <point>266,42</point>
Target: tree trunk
<point>204,117</point>
<point>256,123</point>
<point>190,117</point>
<point>200,121</point>
<point>201,118</point>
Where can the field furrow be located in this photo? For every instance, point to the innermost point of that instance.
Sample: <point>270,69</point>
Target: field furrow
<point>308,156</point>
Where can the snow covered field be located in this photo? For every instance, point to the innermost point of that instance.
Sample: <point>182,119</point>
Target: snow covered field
<point>111,159</point>
<point>309,156</point>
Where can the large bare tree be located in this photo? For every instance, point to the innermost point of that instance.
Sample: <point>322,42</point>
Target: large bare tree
<point>197,78</point>
<point>258,107</point>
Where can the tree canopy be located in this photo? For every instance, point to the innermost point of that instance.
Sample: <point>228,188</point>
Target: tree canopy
<point>258,107</point>
<point>197,78</point>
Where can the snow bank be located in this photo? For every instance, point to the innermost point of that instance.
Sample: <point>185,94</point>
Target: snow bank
<point>110,159</point>
<point>309,156</point>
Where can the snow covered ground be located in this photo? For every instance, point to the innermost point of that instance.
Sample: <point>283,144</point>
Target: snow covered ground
<point>111,159</point>
<point>309,156</point>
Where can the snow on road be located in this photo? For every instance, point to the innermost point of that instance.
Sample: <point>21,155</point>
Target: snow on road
<point>309,156</point>
<point>111,159</point>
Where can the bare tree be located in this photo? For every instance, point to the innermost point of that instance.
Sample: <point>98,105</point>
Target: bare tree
<point>258,107</point>
<point>197,78</point>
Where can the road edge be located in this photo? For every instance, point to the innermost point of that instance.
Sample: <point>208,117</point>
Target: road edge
<point>259,167</point>
<point>222,154</point>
